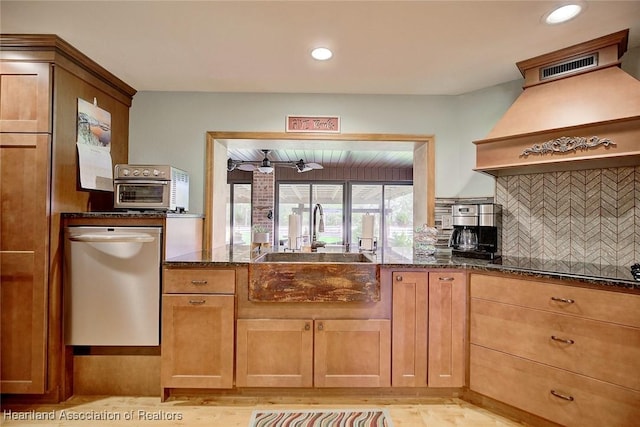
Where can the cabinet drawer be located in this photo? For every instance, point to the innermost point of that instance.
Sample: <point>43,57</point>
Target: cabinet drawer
<point>594,304</point>
<point>530,386</point>
<point>601,350</point>
<point>199,281</point>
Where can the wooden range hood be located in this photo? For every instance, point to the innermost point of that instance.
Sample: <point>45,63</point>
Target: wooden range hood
<point>578,110</point>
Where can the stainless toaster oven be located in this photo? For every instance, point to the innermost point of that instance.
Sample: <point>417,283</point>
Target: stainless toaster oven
<point>151,187</point>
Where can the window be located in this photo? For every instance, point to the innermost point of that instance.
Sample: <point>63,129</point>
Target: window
<point>301,199</point>
<point>392,208</point>
<point>238,230</point>
<point>366,199</point>
<point>398,220</point>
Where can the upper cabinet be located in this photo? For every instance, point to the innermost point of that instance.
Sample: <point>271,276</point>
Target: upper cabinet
<point>41,79</point>
<point>25,104</point>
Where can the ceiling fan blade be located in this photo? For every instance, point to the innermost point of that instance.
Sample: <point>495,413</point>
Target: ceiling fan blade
<point>246,167</point>
<point>314,165</point>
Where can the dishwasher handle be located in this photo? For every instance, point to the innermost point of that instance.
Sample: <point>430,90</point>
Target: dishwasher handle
<point>112,238</point>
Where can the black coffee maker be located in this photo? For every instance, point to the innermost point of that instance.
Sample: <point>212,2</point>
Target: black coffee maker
<point>476,230</point>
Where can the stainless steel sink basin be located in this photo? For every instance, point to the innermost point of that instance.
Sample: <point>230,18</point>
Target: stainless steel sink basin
<point>332,257</point>
<point>314,277</point>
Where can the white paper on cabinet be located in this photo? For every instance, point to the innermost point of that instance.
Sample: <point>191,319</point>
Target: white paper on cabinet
<point>95,167</point>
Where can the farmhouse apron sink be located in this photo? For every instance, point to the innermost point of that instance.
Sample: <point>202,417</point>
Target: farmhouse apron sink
<point>314,277</point>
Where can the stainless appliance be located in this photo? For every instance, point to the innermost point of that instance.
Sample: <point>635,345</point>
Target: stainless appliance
<point>476,230</point>
<point>112,286</point>
<point>153,187</point>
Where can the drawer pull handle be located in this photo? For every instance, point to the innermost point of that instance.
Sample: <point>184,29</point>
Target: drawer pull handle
<point>196,301</point>
<point>564,300</point>
<point>398,278</point>
<point>562,396</point>
<point>307,326</point>
<point>446,279</point>
<point>199,282</point>
<point>563,340</point>
<point>320,326</point>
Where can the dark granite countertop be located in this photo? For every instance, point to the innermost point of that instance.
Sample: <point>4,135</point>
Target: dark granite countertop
<point>137,214</point>
<point>611,277</point>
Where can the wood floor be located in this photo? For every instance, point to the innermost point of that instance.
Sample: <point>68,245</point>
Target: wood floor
<point>236,412</point>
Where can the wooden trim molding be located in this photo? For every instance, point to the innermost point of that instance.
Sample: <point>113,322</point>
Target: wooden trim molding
<point>38,43</point>
<point>213,180</point>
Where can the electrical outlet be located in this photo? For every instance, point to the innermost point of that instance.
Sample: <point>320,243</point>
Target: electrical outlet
<point>447,222</point>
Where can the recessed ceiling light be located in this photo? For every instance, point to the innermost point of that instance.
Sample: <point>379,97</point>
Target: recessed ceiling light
<point>563,14</point>
<point>321,53</point>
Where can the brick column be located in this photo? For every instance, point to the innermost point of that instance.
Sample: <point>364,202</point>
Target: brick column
<point>263,200</point>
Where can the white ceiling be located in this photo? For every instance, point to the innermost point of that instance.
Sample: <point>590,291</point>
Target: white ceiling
<point>380,47</point>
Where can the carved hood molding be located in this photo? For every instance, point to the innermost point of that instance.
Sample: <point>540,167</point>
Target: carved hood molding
<point>578,110</point>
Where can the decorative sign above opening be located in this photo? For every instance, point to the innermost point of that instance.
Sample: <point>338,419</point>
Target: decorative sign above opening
<point>313,124</point>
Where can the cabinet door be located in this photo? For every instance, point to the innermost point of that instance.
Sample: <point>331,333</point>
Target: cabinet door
<point>274,353</point>
<point>24,240</point>
<point>25,89</point>
<point>352,353</point>
<point>447,320</point>
<point>197,341</point>
<point>409,336</point>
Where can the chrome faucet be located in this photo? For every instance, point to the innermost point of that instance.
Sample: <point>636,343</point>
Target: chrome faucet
<point>315,244</point>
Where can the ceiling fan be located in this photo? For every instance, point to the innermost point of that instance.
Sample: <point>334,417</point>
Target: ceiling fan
<point>266,165</point>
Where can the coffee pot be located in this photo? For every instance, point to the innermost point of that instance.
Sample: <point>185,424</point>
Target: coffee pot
<point>467,239</point>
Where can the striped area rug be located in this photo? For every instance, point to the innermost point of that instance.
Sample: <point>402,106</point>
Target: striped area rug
<point>322,418</point>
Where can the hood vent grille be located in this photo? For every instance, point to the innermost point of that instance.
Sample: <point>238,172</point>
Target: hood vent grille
<point>569,67</point>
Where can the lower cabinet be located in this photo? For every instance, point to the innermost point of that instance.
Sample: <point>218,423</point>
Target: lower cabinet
<point>319,353</point>
<point>429,328</point>
<point>564,353</point>
<point>555,394</point>
<point>197,341</point>
<point>274,353</point>
<point>198,309</point>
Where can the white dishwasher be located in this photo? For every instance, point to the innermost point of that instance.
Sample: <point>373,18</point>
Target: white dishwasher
<point>112,286</point>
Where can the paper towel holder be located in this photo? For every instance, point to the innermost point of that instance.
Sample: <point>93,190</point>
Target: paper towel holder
<point>371,247</point>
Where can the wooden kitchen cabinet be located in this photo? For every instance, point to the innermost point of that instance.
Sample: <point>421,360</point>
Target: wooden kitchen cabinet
<point>352,353</point>
<point>39,175</point>
<point>320,353</point>
<point>23,262</point>
<point>573,352</point>
<point>25,91</point>
<point>197,328</point>
<point>554,394</point>
<point>274,353</point>
<point>429,327</point>
<point>410,323</point>
<point>197,341</point>
<point>447,328</point>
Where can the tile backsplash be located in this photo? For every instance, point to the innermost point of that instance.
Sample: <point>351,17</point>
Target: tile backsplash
<point>590,216</point>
